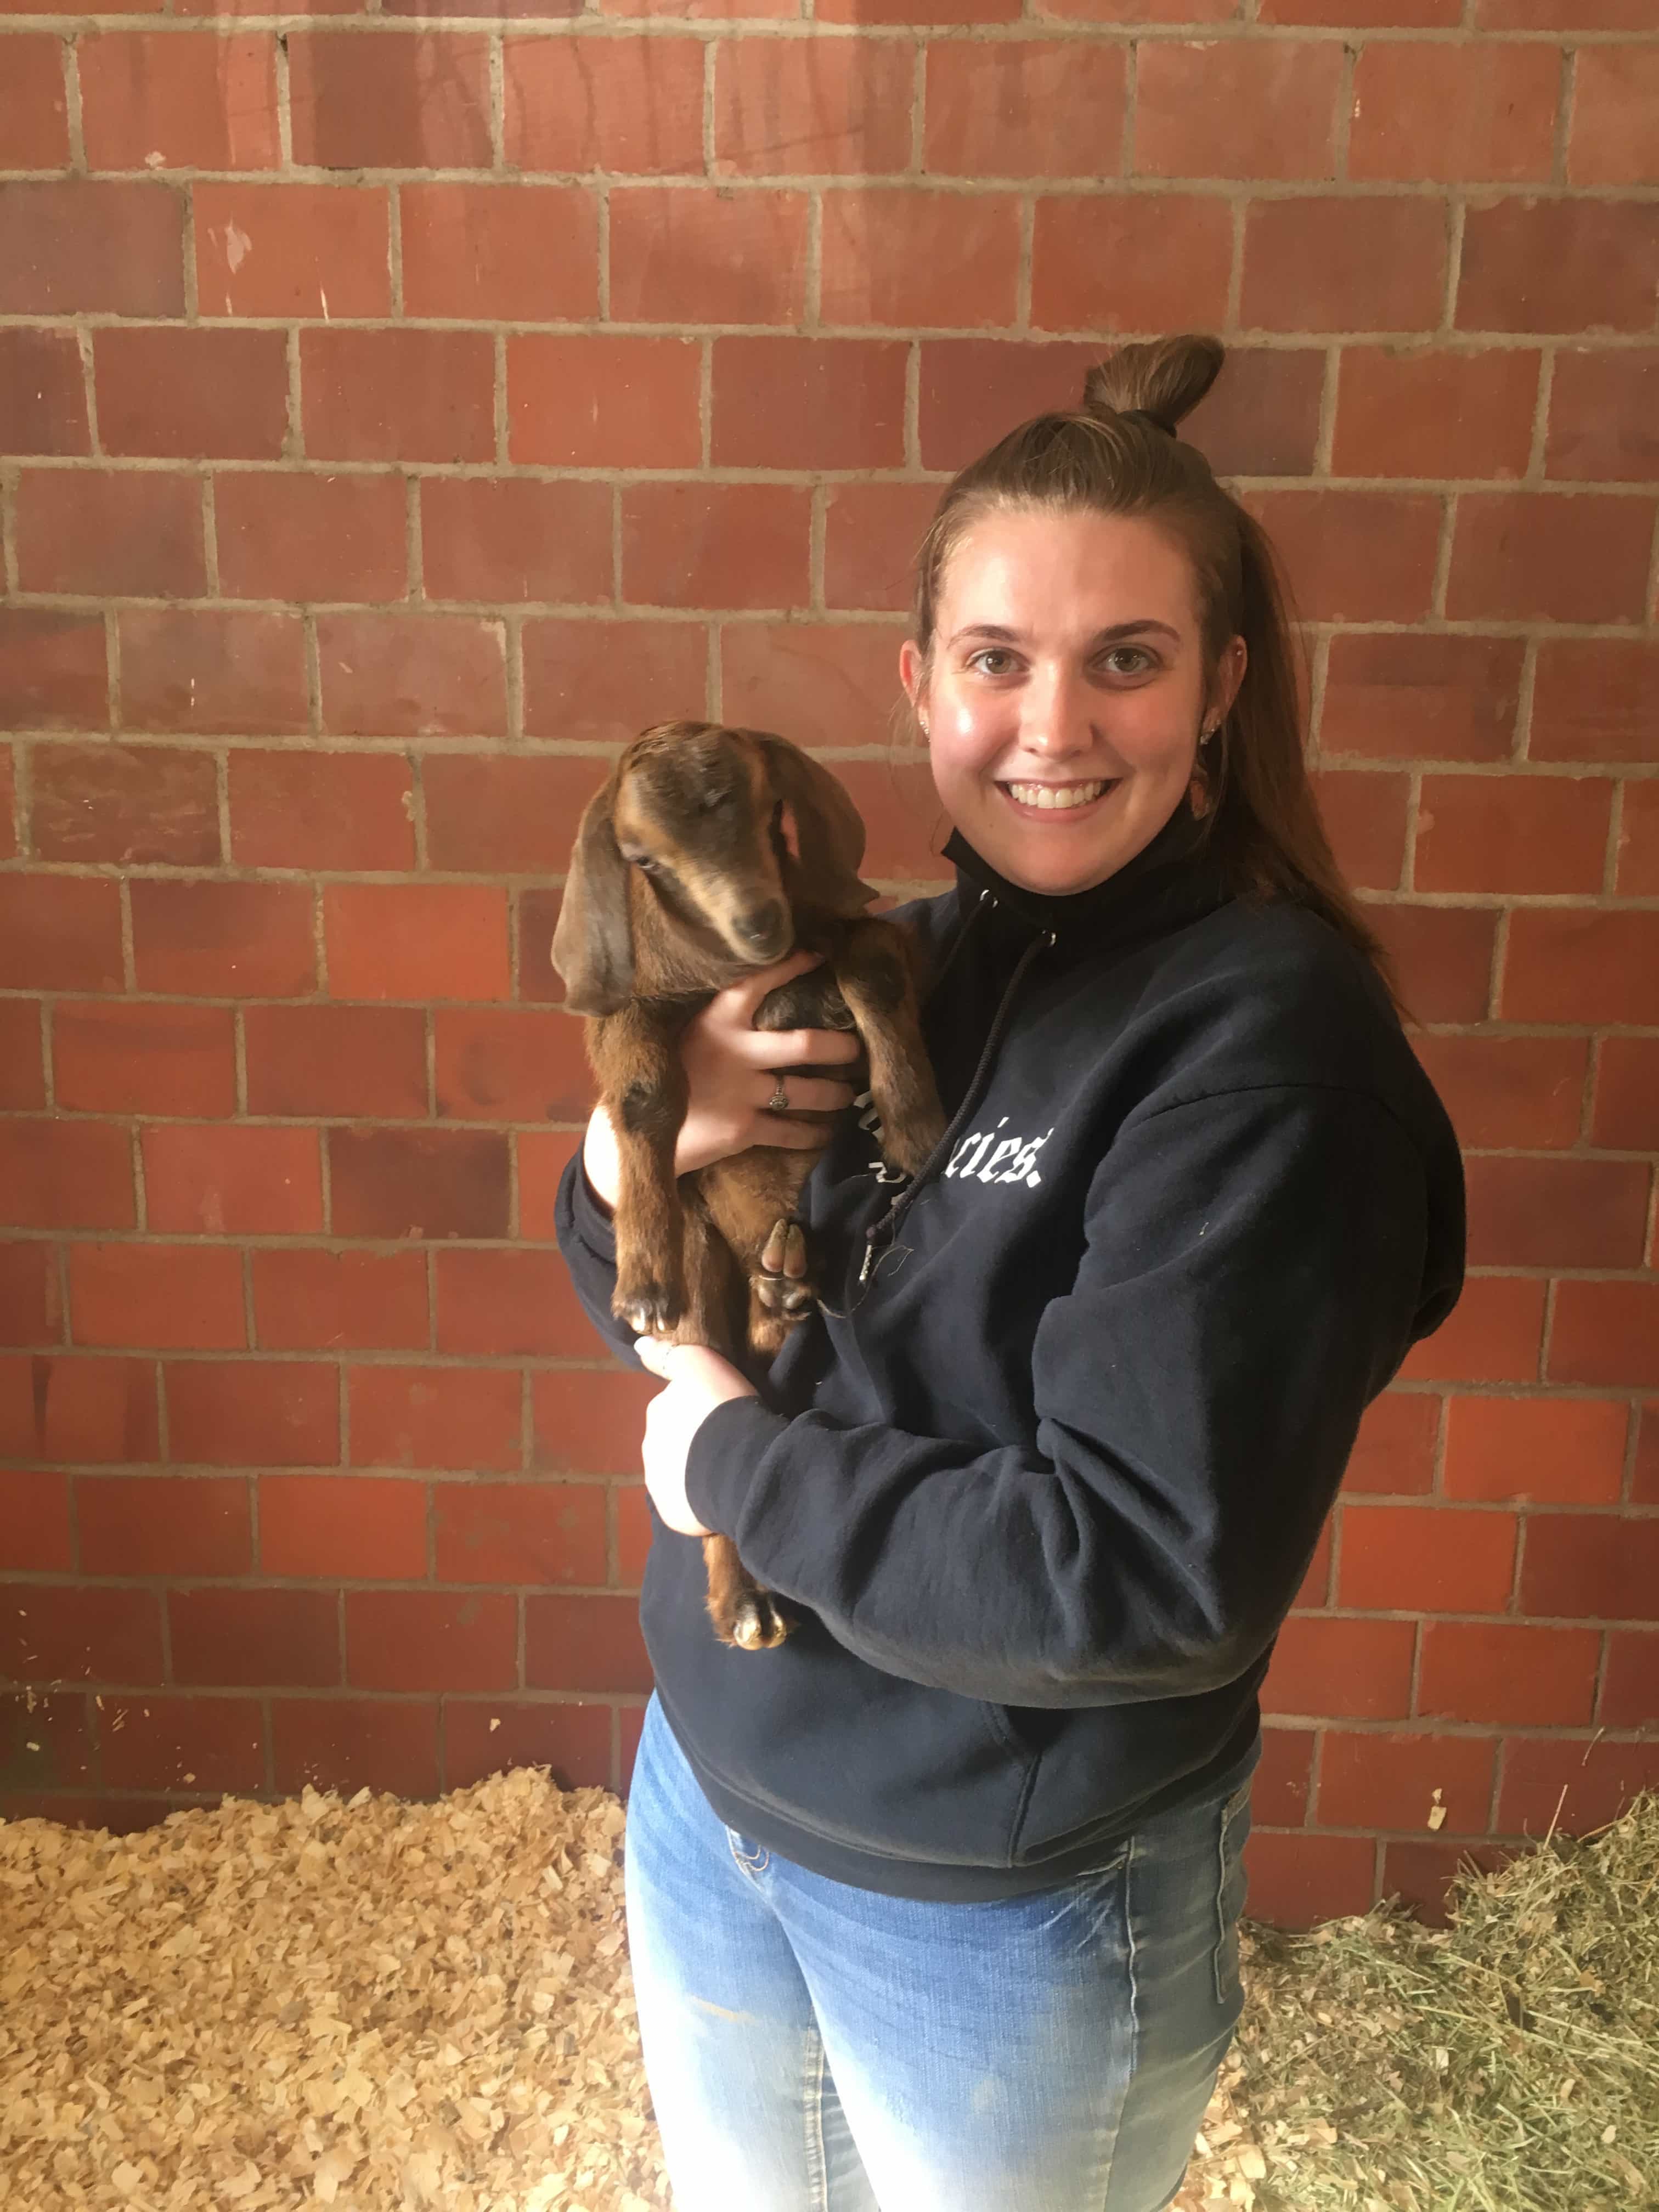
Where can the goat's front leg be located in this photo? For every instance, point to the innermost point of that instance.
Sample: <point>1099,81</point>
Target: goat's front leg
<point>873,974</point>
<point>643,1089</point>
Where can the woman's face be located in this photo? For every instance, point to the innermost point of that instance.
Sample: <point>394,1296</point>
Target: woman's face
<point>1066,692</point>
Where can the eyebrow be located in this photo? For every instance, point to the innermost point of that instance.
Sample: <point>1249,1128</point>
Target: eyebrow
<point>1112,636</point>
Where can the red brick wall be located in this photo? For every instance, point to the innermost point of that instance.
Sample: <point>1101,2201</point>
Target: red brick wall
<point>397,411</point>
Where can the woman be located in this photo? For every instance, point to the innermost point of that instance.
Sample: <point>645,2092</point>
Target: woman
<point>934,1907</point>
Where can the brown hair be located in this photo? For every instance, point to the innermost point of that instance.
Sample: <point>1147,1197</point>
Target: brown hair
<point>1119,454</point>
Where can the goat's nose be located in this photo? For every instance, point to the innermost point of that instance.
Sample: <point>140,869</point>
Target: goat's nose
<point>763,924</point>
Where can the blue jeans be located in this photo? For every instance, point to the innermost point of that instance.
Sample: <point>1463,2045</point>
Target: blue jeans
<point>813,2047</point>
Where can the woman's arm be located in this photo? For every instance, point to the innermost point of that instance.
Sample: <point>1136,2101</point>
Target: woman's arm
<point>1252,1276</point>
<point>731,1071</point>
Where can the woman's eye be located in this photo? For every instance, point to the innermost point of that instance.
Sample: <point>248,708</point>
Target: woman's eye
<point>992,660</point>
<point>1128,660</point>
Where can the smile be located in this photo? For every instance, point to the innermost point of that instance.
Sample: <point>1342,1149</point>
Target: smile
<point>1053,798</point>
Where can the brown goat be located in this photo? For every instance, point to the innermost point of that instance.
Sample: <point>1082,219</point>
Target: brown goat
<point>682,881</point>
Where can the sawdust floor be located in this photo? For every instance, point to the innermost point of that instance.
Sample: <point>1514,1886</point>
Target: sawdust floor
<point>367,2005</point>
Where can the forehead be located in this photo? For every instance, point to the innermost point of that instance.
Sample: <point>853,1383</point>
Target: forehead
<point>1043,569</point>
<point>705,781</point>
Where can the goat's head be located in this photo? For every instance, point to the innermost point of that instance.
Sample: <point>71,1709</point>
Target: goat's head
<point>696,819</point>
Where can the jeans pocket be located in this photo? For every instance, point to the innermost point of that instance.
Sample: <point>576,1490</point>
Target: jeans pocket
<point>1234,1829</point>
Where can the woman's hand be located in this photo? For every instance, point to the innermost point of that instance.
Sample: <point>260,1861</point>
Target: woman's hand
<point>731,1069</point>
<point>698,1379</point>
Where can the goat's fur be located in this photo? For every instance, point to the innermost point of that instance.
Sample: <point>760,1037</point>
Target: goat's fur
<point>681,882</point>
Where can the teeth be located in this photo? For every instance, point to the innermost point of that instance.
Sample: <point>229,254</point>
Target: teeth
<point>1053,795</point>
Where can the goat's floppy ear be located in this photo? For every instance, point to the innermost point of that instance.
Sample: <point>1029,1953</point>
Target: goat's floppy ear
<point>593,943</point>
<point>828,828</point>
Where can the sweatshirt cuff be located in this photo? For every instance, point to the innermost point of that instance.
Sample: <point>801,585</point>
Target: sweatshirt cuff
<point>723,1458</point>
<point>590,1218</point>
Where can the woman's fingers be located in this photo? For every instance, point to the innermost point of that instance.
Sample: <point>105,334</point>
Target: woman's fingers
<point>742,999</point>
<point>811,1094</point>
<point>797,1047</point>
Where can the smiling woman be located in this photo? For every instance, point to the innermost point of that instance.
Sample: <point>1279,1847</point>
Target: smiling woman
<point>1069,691</point>
<point>935,1905</point>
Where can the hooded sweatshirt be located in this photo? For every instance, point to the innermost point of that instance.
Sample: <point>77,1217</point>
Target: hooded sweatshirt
<point>1042,1477</point>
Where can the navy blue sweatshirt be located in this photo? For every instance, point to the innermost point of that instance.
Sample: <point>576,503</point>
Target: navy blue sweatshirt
<point>1042,1479</point>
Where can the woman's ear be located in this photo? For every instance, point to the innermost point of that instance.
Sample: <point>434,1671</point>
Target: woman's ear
<point>828,828</point>
<point>594,943</point>
<point>1230,674</point>
<point>911,673</point>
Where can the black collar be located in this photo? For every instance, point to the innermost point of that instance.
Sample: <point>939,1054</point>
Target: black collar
<point>1171,881</point>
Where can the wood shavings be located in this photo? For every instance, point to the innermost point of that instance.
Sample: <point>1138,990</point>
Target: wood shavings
<point>383,2007</point>
<point>367,2006</point>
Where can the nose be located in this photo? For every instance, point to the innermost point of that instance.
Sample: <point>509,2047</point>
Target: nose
<point>762,926</point>
<point>1056,722</point>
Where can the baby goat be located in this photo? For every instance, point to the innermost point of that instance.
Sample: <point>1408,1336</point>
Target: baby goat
<point>682,880</point>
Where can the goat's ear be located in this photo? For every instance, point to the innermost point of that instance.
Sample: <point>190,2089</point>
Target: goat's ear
<point>593,943</point>
<point>829,829</point>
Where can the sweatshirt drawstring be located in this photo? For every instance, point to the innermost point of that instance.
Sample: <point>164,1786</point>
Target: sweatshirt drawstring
<point>880,1235</point>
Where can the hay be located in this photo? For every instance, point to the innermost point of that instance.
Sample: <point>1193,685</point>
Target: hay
<point>1509,2063</point>
<point>383,2007</point>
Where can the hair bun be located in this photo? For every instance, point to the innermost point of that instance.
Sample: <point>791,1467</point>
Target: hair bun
<point>1164,380</point>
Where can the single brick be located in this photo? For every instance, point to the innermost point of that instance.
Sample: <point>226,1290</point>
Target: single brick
<point>321,811</point>
<point>1391,694</point>
<point>1605,1334</point>
<point>54,671</point>
<point>66,1175</point>
<point>22,1077</point>
<point>431,1640</point>
<point>33,103</point>
<point>219,1179</point>
<point>1495,1334</point>
<point>1557,1213</point>
<point>75,1412</point>
<point>1573,265</point>
<point>355,1743</point>
<point>808,403</point>
<point>1344,1669</point>
<point>603,683</point>
<point>199,1745</point>
<point>1502,1091</point>
<point>504,813</point>
<point>1613,93</point>
<point>1237,107</point>
<point>253,1638</point>
<point>208,940</point>
<point>80,247</point>
<point>1627,1115</point>
<point>1344,263</point>
<point>192,393</point>
<point>416,941</point>
<point>519,253</point>
<point>585,1643</point>
<point>631,105</point>
<point>340,1527</point>
<point>1602,407</point>
<point>510,1304</point>
<point>1491,1671</point>
<point>211,670</point>
<point>292,249</point>
<point>535,1533</point>
<point>715,544</point>
<point>1593,700</point>
<point>1354,555</point>
<point>1131,261</point>
<point>806,108</point>
<point>150,1524</point>
<point>391,395</point>
<point>253,1412</point>
<point>155,1296</point>
<point>1364,818</point>
<point>604,402</point>
<point>413,100</point>
<point>826,683</point>
<point>439,1416</point>
<point>111,532</point>
<point>126,804</point>
<point>418,1183</point>
<point>60,931</point>
<point>713,256</point>
<point>1393,1452</point>
<point>917,258</point>
<point>131,1057</point>
<point>1532,1451</point>
<point>1036,107</point>
<point>411,675</point>
<point>181,99</point>
<point>494,539</point>
<point>43,400</point>
<point>1512,833</point>
<point>306,1300</point>
<point>1477,113</point>
<point>1417,411</point>
<point>1552,557</point>
<point>336,1061</point>
<point>310,536</point>
<point>31,1307</point>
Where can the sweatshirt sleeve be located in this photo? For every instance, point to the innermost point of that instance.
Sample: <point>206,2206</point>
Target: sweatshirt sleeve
<point>587,1240</point>
<point>1251,1277</point>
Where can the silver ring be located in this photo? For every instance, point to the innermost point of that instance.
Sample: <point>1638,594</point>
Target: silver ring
<point>779,1102</point>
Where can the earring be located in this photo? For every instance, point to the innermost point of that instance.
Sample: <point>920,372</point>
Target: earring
<point>922,719</point>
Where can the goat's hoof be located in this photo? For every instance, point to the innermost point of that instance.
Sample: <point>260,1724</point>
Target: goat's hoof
<point>780,1285</point>
<point>758,1623</point>
<point>651,1311</point>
